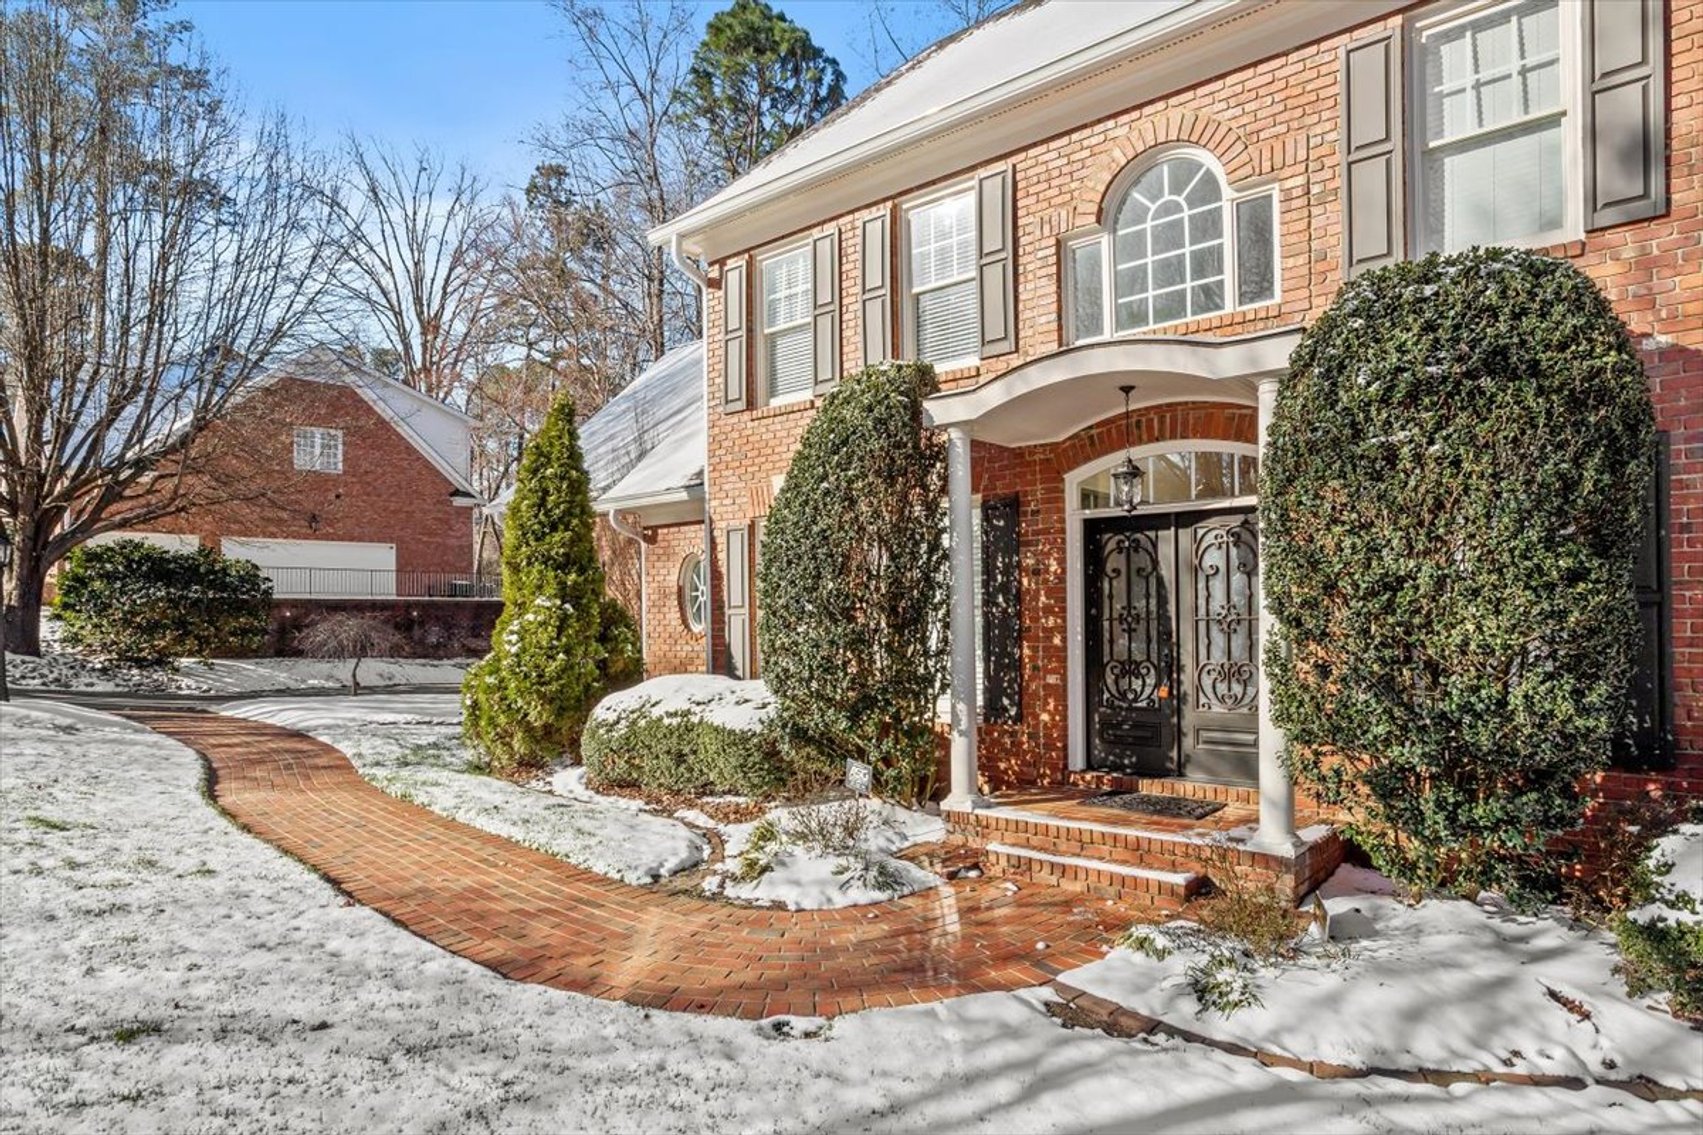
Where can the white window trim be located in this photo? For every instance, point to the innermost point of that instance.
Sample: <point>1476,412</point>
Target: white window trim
<point>907,307</point>
<point>1570,26</point>
<point>1076,726</point>
<point>319,434</point>
<point>1101,234</point>
<point>765,394</point>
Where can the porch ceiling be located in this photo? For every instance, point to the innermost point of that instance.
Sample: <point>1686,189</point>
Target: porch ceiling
<point>1056,395</point>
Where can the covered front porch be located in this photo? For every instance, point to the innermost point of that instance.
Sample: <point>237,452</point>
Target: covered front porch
<point>1139,628</point>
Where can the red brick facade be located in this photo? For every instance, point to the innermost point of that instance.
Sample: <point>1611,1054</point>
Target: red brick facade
<point>1276,122</point>
<point>388,491</point>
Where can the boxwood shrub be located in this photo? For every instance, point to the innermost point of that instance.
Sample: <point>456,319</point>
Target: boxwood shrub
<point>1451,505</point>
<point>698,734</point>
<point>136,602</point>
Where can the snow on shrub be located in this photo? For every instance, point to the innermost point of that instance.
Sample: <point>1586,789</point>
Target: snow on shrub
<point>1661,940</point>
<point>696,733</point>
<point>1451,505</point>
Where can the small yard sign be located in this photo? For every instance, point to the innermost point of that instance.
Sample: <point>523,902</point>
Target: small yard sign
<point>860,777</point>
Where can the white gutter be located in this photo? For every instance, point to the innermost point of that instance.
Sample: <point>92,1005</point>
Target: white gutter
<point>702,278</point>
<point>638,536</point>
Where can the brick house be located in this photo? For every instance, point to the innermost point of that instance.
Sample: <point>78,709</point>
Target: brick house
<point>336,481</point>
<point>1071,199</point>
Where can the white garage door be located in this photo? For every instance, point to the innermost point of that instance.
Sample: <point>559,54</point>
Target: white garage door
<point>170,541</point>
<point>332,568</point>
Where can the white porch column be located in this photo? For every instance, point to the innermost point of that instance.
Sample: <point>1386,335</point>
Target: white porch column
<point>1277,796</point>
<point>963,793</point>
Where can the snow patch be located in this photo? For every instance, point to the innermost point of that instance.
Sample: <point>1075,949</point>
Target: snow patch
<point>744,706</point>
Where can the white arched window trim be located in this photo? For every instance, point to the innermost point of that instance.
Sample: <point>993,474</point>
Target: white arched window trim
<point>1246,211</point>
<point>1075,678</point>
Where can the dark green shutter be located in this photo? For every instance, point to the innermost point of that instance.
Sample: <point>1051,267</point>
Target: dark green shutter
<point>1002,612</point>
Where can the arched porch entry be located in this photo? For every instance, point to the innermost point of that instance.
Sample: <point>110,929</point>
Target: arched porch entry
<point>1162,605</point>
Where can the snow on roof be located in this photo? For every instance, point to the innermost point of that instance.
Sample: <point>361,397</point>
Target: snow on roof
<point>660,410</point>
<point>648,439</point>
<point>1001,51</point>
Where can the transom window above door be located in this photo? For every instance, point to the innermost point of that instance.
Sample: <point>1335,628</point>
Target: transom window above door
<point>1183,477</point>
<point>1176,246</point>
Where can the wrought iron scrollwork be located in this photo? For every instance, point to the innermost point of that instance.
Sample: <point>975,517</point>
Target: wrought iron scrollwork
<point>1226,619</point>
<point>1133,655</point>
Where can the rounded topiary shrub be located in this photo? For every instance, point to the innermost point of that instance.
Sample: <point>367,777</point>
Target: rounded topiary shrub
<point>557,644</point>
<point>851,588</point>
<point>1450,506</point>
<point>136,602</point>
<point>690,733</point>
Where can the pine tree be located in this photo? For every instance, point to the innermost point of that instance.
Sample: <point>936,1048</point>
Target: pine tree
<point>556,645</point>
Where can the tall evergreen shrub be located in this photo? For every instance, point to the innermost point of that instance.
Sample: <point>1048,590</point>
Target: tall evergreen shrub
<point>852,582</point>
<point>1451,506</point>
<point>557,644</point>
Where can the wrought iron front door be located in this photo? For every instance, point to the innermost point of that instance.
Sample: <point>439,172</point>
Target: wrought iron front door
<point>1172,642</point>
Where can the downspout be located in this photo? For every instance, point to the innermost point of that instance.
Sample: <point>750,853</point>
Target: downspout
<point>636,534</point>
<point>702,279</point>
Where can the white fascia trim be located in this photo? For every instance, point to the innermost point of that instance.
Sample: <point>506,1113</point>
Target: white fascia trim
<point>940,120</point>
<point>1027,95</point>
<point>1241,356</point>
<point>668,506</point>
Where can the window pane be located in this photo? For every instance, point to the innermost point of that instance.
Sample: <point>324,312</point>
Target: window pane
<point>1204,299</point>
<point>1171,271</point>
<point>1168,307</point>
<point>1088,291</point>
<point>1206,262</point>
<point>1494,70</point>
<point>943,241</point>
<point>791,360</point>
<point>948,327</point>
<point>1133,314</point>
<point>1494,189</point>
<point>1214,476</point>
<point>786,289</point>
<point>1168,246</point>
<point>1206,225</point>
<point>1167,480</point>
<point>1256,266</point>
<point>1247,475</point>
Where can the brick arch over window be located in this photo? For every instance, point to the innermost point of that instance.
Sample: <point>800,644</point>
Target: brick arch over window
<point>1240,161</point>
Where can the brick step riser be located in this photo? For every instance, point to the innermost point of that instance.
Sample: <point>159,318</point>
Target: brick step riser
<point>1151,893</point>
<point>1156,855</point>
<point>1166,786</point>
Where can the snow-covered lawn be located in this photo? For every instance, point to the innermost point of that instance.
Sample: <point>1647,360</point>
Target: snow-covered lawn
<point>1445,984</point>
<point>410,746</point>
<point>161,970</point>
<point>57,670</point>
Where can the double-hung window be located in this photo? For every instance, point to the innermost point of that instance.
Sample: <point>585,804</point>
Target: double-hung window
<point>788,357</point>
<point>1176,246</point>
<point>1490,127</point>
<point>319,450</point>
<point>942,310</point>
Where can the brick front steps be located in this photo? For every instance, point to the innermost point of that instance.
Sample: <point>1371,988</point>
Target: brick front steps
<point>1050,836</point>
<point>1077,1009</point>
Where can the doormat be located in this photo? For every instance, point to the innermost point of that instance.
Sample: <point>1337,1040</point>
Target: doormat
<point>1155,804</point>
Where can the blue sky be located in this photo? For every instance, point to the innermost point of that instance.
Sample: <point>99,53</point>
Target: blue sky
<point>469,77</point>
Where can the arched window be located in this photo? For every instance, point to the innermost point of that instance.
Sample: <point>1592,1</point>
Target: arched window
<point>1176,246</point>
<point>694,593</point>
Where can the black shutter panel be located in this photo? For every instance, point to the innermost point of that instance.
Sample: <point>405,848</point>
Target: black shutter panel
<point>1650,745</point>
<point>876,298</point>
<point>1002,613</point>
<point>1371,186</point>
<point>738,599</point>
<point>734,306</point>
<point>825,319</point>
<point>1625,104</point>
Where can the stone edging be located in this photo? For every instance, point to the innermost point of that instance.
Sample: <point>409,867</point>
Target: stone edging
<point>1088,1011</point>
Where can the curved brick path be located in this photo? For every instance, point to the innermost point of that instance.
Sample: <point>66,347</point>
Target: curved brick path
<point>532,917</point>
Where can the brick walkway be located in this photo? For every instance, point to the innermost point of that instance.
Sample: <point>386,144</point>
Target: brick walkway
<point>535,918</point>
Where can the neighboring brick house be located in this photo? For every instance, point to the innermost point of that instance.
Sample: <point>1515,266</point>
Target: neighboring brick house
<point>1073,198</point>
<point>644,461</point>
<point>337,481</point>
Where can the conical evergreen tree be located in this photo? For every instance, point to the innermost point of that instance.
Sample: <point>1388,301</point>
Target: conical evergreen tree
<point>557,642</point>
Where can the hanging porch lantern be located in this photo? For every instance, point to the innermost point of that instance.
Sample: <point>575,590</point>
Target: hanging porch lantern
<point>1126,478</point>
